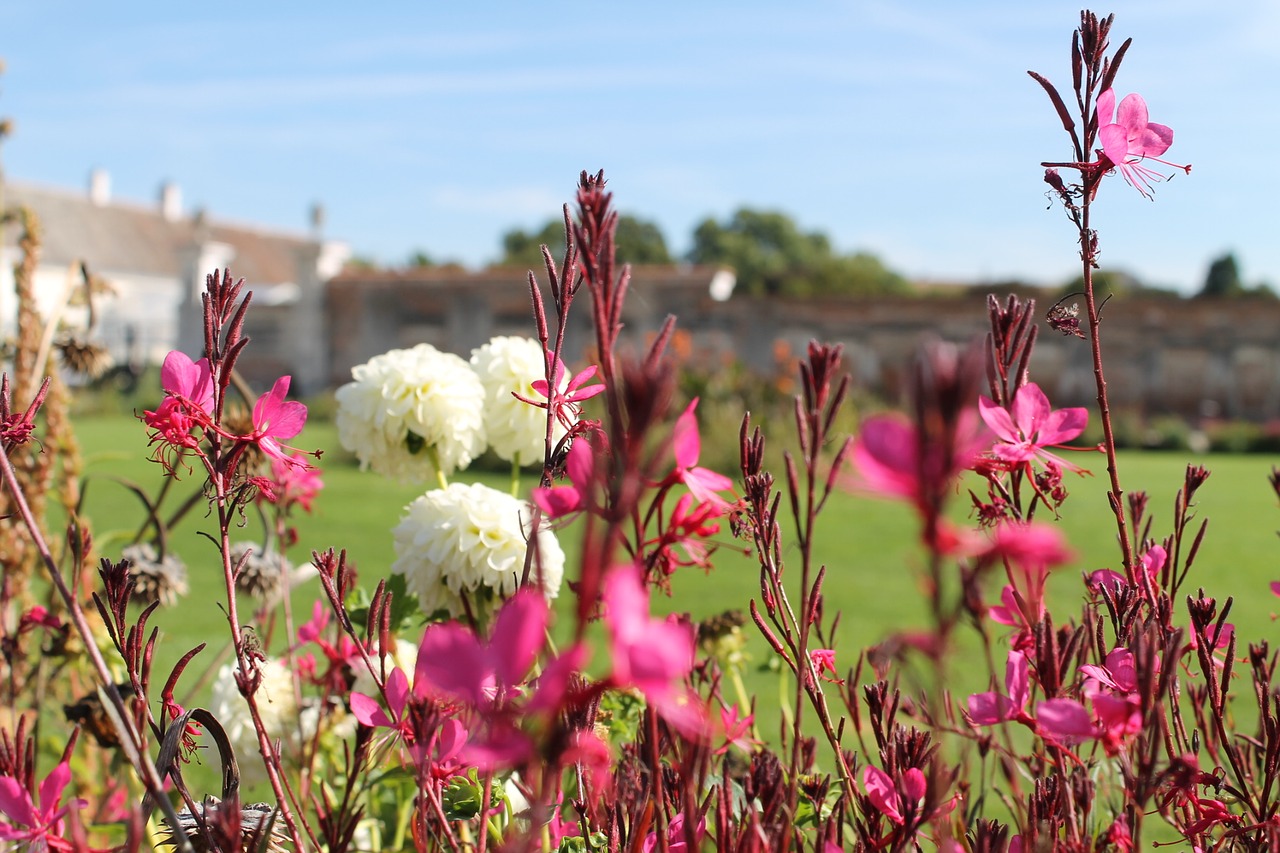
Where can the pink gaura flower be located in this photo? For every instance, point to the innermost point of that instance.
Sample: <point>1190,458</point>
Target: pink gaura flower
<point>677,840</point>
<point>1130,139</point>
<point>737,730</point>
<point>1119,719</point>
<point>190,381</point>
<point>1031,425</point>
<point>276,418</point>
<point>36,821</point>
<point>1065,721</point>
<point>824,661</point>
<point>652,655</point>
<point>1118,673</point>
<point>565,401</point>
<point>894,801</point>
<point>293,481</point>
<point>988,709</point>
<point>686,443</point>
<point>890,461</point>
<point>1030,552</point>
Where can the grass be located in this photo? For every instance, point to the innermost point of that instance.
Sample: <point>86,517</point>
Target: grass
<point>867,545</point>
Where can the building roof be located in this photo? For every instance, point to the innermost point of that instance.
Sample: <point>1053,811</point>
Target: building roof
<point>123,238</point>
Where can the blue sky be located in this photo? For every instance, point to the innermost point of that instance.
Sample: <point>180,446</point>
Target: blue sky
<point>908,129</point>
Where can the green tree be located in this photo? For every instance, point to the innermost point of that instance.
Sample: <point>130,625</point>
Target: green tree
<point>638,241</point>
<point>1223,278</point>
<point>771,254</point>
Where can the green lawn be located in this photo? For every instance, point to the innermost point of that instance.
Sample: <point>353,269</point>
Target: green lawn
<point>866,544</point>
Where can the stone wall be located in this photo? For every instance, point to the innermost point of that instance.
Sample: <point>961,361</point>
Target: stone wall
<point>1193,358</point>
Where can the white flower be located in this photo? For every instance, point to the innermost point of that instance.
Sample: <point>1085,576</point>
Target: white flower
<point>410,412</point>
<point>277,705</point>
<point>517,430</point>
<point>470,538</point>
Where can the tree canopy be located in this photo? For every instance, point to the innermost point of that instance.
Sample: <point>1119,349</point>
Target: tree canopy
<point>638,241</point>
<point>771,255</point>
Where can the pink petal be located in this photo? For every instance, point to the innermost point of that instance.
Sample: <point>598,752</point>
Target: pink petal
<point>518,635</point>
<point>1115,143</point>
<point>626,604</point>
<point>1156,140</point>
<point>397,690</point>
<point>1132,113</point>
<point>914,785</point>
<point>882,793</point>
<point>15,802</point>
<point>1064,720</point>
<point>1106,108</point>
<point>1030,410</point>
<point>1063,425</point>
<point>52,787</point>
<point>885,456</point>
<point>558,501</point>
<point>685,441</point>
<point>990,708</point>
<point>998,419</point>
<point>367,710</point>
<point>451,660</point>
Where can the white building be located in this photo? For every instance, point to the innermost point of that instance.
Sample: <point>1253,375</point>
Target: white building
<point>156,258</point>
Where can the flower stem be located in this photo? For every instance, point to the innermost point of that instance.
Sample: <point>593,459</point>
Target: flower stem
<point>1088,256</point>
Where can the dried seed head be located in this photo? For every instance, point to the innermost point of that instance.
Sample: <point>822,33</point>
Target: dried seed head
<point>155,579</point>
<point>83,357</point>
<point>263,570</point>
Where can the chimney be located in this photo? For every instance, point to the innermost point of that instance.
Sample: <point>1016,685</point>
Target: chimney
<point>317,217</point>
<point>99,187</point>
<point>170,201</point>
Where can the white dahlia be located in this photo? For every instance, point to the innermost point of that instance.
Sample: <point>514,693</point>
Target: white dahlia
<point>470,538</point>
<point>277,705</point>
<point>517,430</point>
<point>409,413</point>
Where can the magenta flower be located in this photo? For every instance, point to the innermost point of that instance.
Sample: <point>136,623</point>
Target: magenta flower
<point>891,800</point>
<point>890,460</point>
<point>1118,672</point>
<point>737,730</point>
<point>677,842</point>
<point>824,661</point>
<point>1131,139</point>
<point>32,823</point>
<point>652,655</point>
<point>190,381</point>
<point>274,419</point>
<point>1031,425</point>
<point>988,709</point>
<point>1065,721</point>
<point>293,481</point>
<point>565,401</point>
<point>687,445</point>
<point>453,661</point>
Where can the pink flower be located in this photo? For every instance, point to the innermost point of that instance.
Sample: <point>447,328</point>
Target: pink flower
<point>737,730</point>
<point>677,842</point>
<point>893,801</point>
<point>824,660</point>
<point>274,418</point>
<point>703,483</point>
<point>890,460</point>
<point>453,661</point>
<point>191,382</point>
<point>1118,673</point>
<point>294,482</point>
<point>1031,425</point>
<point>32,823</point>
<point>987,709</point>
<point>1130,139</point>
<point>1065,721</point>
<point>652,655</point>
<point>564,404</point>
